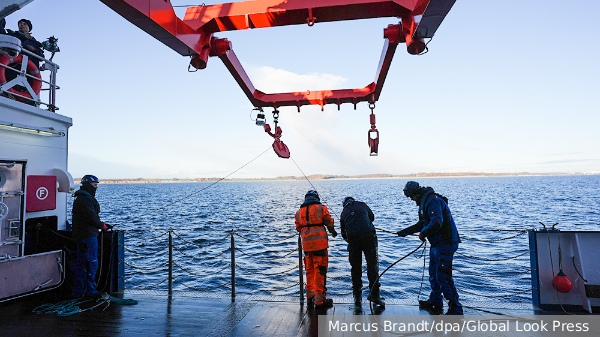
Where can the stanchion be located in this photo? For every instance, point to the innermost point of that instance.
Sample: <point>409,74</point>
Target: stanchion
<point>170,261</point>
<point>300,271</point>
<point>232,267</point>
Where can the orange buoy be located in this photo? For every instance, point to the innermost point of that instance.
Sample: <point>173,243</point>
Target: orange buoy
<point>562,283</point>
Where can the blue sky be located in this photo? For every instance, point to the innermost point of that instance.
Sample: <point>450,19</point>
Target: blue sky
<point>507,86</point>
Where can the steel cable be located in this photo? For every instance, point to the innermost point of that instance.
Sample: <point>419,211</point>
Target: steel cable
<point>492,240</point>
<point>494,296</point>
<point>143,238</point>
<point>472,274</point>
<point>221,179</point>
<point>267,274</point>
<point>145,254</point>
<point>491,260</point>
<point>136,267</point>
<point>201,245</point>
<point>143,287</point>
<point>265,258</point>
<point>261,241</point>
<point>189,272</point>
<point>202,259</point>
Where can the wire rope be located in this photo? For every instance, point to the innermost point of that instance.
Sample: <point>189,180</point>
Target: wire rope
<point>492,260</point>
<point>267,274</point>
<point>201,245</point>
<point>200,275</point>
<point>207,187</point>
<point>201,259</point>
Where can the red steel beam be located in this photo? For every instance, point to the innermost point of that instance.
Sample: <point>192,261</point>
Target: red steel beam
<point>193,36</point>
<point>271,13</point>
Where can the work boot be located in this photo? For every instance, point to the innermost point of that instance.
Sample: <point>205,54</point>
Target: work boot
<point>327,303</point>
<point>454,309</point>
<point>434,309</point>
<point>375,298</point>
<point>358,299</point>
<point>310,302</point>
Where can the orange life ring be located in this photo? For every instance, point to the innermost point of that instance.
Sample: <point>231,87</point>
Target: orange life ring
<point>31,70</point>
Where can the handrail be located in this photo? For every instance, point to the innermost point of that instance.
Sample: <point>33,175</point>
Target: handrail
<point>21,78</point>
<point>242,279</point>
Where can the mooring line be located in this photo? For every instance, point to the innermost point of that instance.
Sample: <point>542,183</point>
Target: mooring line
<point>207,187</point>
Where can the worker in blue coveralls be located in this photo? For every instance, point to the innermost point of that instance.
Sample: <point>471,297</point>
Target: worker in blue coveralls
<point>436,225</point>
<point>86,227</point>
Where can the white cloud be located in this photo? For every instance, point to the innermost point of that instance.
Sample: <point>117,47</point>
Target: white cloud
<point>271,80</point>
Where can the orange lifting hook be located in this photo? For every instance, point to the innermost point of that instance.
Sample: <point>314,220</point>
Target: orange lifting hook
<point>373,134</point>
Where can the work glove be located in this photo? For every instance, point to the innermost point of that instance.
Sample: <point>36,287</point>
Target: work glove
<point>422,238</point>
<point>108,227</point>
<point>333,232</point>
<point>402,233</point>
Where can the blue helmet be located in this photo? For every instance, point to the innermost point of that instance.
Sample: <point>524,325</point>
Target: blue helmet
<point>347,201</point>
<point>312,193</point>
<point>411,188</point>
<point>88,178</point>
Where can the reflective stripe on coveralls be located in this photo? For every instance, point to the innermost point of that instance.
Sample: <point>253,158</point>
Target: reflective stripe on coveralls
<point>312,230</point>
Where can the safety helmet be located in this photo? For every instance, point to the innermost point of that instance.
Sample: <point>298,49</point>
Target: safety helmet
<point>347,201</point>
<point>411,188</point>
<point>88,178</point>
<point>312,193</point>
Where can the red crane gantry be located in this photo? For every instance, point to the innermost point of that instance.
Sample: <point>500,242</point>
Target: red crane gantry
<point>194,36</point>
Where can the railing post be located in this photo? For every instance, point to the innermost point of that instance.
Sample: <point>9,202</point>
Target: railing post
<point>300,269</point>
<point>170,261</point>
<point>232,267</point>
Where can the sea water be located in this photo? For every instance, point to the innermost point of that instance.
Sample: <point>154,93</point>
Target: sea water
<point>489,265</point>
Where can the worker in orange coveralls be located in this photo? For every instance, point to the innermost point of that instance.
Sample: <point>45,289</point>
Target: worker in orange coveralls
<point>311,221</point>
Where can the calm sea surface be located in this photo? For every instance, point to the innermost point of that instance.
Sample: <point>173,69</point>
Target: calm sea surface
<point>262,214</point>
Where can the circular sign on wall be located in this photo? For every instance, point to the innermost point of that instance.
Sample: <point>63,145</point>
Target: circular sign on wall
<point>41,193</point>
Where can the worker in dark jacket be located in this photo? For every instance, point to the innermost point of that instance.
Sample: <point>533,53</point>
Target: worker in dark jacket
<point>437,225</point>
<point>358,230</point>
<point>28,41</point>
<point>86,226</point>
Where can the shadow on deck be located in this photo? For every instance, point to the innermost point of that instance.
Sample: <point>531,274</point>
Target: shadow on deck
<point>160,315</point>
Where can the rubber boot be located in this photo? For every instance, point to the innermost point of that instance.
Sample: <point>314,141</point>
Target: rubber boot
<point>327,303</point>
<point>375,298</point>
<point>358,299</point>
<point>434,309</point>
<point>454,309</point>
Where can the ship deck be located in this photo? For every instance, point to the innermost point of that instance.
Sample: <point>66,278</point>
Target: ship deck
<point>194,314</point>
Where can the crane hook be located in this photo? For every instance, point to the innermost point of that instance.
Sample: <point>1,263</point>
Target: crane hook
<point>280,148</point>
<point>373,134</point>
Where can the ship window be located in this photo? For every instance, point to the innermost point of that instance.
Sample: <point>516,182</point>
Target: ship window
<point>14,229</point>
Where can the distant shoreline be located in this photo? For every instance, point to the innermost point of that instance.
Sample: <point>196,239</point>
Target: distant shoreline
<point>344,177</point>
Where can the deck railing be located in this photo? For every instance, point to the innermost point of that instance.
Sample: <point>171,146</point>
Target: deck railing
<point>179,246</point>
<point>21,80</point>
